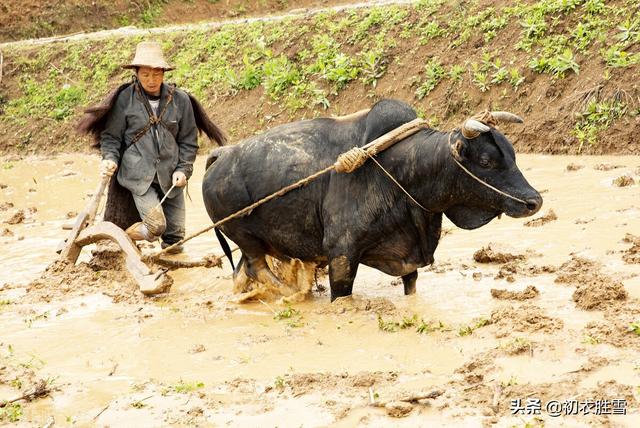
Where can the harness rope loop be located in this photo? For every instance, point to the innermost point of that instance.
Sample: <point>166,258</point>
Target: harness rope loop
<point>351,160</point>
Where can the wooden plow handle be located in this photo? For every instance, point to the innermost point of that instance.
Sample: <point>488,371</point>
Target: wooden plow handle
<point>68,249</point>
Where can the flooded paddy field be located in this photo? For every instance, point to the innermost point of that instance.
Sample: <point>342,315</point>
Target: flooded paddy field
<point>511,317</point>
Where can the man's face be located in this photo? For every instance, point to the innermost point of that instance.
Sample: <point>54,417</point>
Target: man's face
<point>151,79</point>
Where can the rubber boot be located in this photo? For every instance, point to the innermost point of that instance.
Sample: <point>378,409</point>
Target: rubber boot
<point>137,232</point>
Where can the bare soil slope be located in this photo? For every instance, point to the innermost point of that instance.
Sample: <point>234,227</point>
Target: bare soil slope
<point>569,68</point>
<point>33,18</point>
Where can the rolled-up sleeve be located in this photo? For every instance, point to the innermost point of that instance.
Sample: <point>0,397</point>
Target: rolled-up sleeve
<point>187,138</point>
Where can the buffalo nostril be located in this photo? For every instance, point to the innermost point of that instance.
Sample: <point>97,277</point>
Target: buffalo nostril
<point>534,204</point>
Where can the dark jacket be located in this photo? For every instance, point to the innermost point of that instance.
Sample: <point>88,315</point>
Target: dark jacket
<point>138,163</point>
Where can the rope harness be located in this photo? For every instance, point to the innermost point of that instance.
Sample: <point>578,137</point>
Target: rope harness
<point>153,119</point>
<point>484,183</point>
<point>350,161</point>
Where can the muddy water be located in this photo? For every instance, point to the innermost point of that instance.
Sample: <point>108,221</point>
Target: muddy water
<point>106,356</point>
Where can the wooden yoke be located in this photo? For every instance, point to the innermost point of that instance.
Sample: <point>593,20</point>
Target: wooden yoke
<point>69,248</point>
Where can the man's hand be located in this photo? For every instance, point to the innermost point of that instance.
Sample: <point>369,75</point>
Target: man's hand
<point>107,168</point>
<point>179,179</point>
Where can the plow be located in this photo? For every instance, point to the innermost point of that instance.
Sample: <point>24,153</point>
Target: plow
<point>151,271</point>
<point>86,231</point>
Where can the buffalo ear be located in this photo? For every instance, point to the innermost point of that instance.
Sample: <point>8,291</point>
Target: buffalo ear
<point>456,150</point>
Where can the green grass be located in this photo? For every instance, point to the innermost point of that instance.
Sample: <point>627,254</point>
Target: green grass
<point>634,328</point>
<point>597,117</point>
<point>421,326</point>
<point>434,72</point>
<point>425,327</point>
<point>183,387</point>
<point>291,315</point>
<point>11,412</point>
<point>286,313</point>
<point>468,330</point>
<point>302,65</point>
<point>393,326</point>
<point>279,383</point>
<point>556,64</point>
<point>590,340</point>
<point>151,13</point>
<point>516,346</point>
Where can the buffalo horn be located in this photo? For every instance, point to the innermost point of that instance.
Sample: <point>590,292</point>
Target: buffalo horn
<point>505,116</point>
<point>474,127</point>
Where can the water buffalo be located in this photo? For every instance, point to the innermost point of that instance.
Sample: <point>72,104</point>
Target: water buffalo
<point>346,219</point>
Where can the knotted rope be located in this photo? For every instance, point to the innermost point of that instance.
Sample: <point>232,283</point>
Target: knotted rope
<point>351,160</point>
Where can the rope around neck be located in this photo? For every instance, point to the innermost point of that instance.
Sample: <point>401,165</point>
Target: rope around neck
<point>356,157</point>
<point>399,185</point>
<point>479,180</point>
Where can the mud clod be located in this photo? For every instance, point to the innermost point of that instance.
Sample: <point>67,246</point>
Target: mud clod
<point>620,327</point>
<point>576,270</point>
<point>528,293</point>
<point>525,318</point>
<point>606,167</point>
<point>4,206</point>
<point>196,349</point>
<point>492,253</point>
<point>104,273</point>
<point>540,221</point>
<point>613,333</point>
<point>398,409</point>
<point>355,303</point>
<point>304,383</point>
<point>17,218</point>
<point>574,167</point>
<point>517,346</point>
<point>595,290</point>
<point>632,255</point>
<point>599,293</point>
<point>624,181</point>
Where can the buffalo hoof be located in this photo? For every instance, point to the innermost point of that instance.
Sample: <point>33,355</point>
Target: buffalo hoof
<point>409,289</point>
<point>409,282</point>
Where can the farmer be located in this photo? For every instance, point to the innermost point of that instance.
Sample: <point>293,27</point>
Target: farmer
<point>150,139</point>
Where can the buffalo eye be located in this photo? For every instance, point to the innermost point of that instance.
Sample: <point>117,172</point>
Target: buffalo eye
<point>485,162</point>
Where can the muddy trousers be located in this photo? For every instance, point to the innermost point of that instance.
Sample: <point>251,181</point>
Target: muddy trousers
<point>173,208</point>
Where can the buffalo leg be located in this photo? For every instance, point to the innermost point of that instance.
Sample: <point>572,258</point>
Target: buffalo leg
<point>256,268</point>
<point>253,260</point>
<point>240,278</point>
<point>342,272</point>
<point>409,281</point>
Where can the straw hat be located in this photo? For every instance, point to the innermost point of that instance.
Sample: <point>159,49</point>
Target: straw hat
<point>149,54</point>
